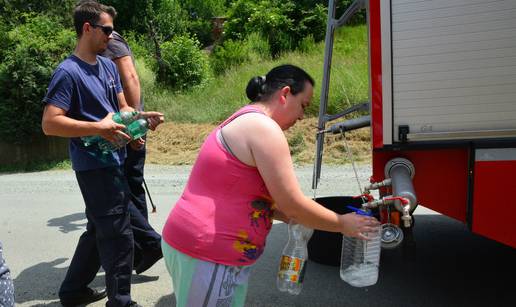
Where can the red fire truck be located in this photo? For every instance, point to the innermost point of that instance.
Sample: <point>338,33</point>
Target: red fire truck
<point>442,109</point>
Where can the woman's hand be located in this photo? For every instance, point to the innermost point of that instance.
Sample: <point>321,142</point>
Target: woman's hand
<point>354,225</point>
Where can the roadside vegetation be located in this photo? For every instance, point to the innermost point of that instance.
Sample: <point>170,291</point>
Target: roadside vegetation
<point>194,58</point>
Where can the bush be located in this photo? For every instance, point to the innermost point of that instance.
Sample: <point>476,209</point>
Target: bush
<point>4,39</point>
<point>185,64</point>
<point>270,18</point>
<point>313,23</point>
<point>140,46</point>
<point>201,13</point>
<point>35,49</point>
<point>202,29</point>
<point>258,46</point>
<point>230,53</point>
<point>239,15</point>
<point>307,44</point>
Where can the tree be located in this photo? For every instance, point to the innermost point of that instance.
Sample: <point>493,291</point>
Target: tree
<point>29,59</point>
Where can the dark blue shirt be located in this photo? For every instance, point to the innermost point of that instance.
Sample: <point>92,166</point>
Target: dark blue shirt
<point>87,93</point>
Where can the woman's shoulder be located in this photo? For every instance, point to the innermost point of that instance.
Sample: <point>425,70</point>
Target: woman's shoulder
<point>259,121</point>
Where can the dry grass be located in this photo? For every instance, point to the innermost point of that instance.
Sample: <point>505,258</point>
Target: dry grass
<point>178,144</point>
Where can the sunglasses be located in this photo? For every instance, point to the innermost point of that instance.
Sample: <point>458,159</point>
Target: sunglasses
<point>106,29</point>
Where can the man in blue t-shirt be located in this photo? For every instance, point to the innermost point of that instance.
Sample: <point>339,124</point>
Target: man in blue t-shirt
<point>82,96</point>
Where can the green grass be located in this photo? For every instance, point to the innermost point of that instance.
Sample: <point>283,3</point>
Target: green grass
<point>223,94</point>
<point>36,166</point>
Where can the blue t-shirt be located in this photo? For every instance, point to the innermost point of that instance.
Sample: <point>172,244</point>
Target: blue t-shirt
<point>88,93</point>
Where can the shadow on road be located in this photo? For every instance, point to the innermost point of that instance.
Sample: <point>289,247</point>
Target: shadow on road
<point>42,281</point>
<point>68,223</point>
<point>166,301</point>
<point>449,266</point>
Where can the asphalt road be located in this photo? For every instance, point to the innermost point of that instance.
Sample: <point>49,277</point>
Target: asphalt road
<point>41,219</point>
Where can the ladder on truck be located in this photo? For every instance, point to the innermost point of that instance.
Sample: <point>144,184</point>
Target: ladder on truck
<point>332,24</point>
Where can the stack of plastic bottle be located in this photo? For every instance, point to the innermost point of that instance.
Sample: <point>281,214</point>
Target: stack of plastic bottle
<point>136,127</point>
<point>294,259</point>
<point>360,259</point>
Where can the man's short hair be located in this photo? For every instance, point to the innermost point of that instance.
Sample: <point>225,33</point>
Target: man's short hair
<point>111,11</point>
<point>87,11</point>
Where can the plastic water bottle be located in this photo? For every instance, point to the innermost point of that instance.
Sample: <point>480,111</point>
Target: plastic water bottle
<point>294,259</point>
<point>360,259</point>
<point>135,130</point>
<point>124,118</point>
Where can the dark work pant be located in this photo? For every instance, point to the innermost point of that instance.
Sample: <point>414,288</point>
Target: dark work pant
<point>134,164</point>
<point>145,237</point>
<point>108,239</point>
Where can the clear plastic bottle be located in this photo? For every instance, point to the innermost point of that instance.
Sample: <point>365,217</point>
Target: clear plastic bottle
<point>294,259</point>
<point>360,259</point>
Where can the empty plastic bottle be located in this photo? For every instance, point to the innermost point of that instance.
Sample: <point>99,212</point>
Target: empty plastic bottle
<point>294,259</point>
<point>360,259</point>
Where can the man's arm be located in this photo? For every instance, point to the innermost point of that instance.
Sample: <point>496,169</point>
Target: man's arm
<point>130,81</point>
<point>55,122</point>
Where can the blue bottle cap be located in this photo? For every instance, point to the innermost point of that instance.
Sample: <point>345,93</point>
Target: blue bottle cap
<point>359,211</point>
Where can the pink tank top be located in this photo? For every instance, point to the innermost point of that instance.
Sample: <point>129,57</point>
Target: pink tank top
<point>225,212</point>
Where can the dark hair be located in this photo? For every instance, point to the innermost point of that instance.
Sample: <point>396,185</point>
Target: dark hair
<point>112,11</point>
<point>87,11</point>
<point>261,88</point>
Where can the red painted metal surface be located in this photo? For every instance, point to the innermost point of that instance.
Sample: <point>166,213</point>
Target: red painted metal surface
<point>375,46</point>
<point>441,179</point>
<point>494,210</point>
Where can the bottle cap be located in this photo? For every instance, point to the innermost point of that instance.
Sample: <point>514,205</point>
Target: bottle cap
<point>359,211</point>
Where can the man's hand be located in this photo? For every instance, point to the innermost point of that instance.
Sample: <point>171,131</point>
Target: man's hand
<point>154,119</point>
<point>137,144</point>
<point>111,130</point>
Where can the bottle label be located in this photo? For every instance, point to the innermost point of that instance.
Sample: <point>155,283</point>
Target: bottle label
<point>292,268</point>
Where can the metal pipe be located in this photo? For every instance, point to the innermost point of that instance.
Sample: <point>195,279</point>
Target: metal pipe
<point>351,124</point>
<point>403,202</point>
<point>401,171</point>
<point>377,185</point>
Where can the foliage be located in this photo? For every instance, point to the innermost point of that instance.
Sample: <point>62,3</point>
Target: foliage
<point>307,44</point>
<point>200,13</point>
<point>313,23</point>
<point>139,44</point>
<point>203,9</point>
<point>230,53</point>
<point>13,11</point>
<point>282,23</point>
<point>4,28</point>
<point>185,64</point>
<point>222,95</point>
<point>25,73</point>
<point>259,47</point>
<point>202,29</point>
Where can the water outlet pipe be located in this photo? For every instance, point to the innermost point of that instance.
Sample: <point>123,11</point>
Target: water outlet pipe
<point>401,172</point>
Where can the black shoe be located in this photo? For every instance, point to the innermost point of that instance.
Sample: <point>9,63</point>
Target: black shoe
<point>134,304</point>
<point>89,297</point>
<point>148,260</point>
